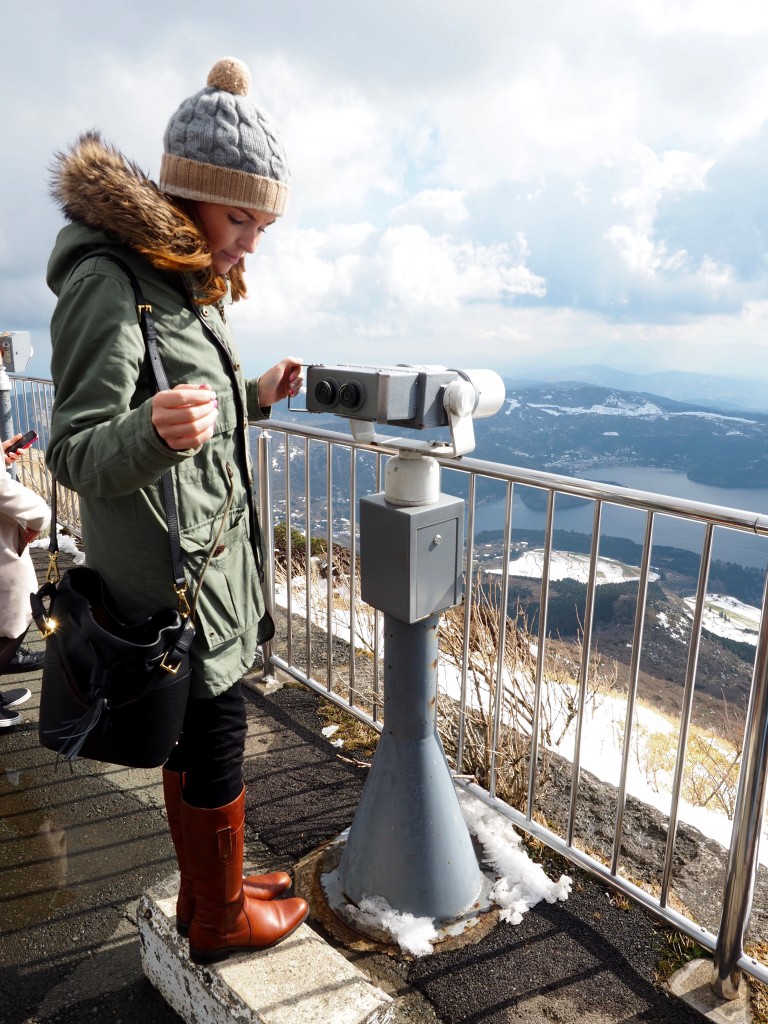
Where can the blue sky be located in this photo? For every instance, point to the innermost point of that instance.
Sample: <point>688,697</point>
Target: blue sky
<point>500,184</point>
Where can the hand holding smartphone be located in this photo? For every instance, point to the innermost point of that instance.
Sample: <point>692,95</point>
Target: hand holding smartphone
<point>23,442</point>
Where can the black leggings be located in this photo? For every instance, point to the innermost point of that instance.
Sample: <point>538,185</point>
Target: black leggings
<point>211,748</point>
<point>8,647</point>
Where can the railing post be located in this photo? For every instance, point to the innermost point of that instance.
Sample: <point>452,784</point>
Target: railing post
<point>263,468</point>
<point>6,414</point>
<point>747,825</point>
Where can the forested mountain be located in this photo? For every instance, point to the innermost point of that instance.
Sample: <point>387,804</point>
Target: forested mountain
<point>569,427</point>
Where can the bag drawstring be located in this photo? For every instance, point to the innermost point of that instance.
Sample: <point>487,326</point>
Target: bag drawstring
<point>72,744</point>
<point>79,729</point>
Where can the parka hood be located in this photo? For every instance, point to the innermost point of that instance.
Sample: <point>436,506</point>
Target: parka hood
<point>96,186</point>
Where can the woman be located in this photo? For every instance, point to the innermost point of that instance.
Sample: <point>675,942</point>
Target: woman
<point>23,514</point>
<point>223,181</point>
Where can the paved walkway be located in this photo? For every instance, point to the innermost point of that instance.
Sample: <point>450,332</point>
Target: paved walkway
<point>77,848</point>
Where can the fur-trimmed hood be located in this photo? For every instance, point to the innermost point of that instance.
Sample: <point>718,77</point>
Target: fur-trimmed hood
<point>95,185</point>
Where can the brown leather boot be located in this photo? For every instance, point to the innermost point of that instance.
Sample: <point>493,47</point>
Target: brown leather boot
<point>226,920</point>
<point>257,887</point>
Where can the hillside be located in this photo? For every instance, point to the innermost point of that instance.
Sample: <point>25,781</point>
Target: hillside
<point>571,426</point>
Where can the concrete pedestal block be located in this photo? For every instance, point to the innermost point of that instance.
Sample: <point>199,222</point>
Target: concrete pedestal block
<point>693,985</point>
<point>302,980</point>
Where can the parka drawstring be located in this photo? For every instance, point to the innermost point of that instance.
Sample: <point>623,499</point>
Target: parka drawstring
<point>217,538</point>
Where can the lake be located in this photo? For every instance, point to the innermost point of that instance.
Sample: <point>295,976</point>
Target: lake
<point>729,545</point>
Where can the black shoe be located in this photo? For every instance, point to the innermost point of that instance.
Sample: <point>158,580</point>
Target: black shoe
<point>8,718</point>
<point>25,660</point>
<point>12,698</point>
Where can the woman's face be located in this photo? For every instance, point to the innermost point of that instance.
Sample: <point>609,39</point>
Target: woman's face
<point>231,232</point>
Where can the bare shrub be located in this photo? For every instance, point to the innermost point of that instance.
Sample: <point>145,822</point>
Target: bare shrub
<point>497,738</point>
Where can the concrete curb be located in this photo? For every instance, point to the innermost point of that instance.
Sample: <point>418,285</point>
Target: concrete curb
<point>303,980</point>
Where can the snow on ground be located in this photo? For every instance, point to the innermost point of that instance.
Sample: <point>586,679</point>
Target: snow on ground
<point>565,565</point>
<point>520,883</point>
<point>341,619</point>
<point>601,749</point>
<point>601,754</point>
<point>726,616</point>
<point>67,545</point>
<point>613,408</point>
<point>414,935</point>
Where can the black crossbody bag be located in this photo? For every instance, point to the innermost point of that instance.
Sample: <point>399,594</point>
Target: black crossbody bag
<point>111,690</point>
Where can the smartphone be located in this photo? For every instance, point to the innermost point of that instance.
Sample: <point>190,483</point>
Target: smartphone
<point>23,442</point>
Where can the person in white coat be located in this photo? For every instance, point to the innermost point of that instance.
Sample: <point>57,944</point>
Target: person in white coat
<point>23,514</point>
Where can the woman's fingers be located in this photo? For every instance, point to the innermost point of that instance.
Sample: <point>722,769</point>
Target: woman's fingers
<point>9,459</point>
<point>185,415</point>
<point>280,381</point>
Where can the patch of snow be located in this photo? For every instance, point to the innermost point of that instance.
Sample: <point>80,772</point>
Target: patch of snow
<point>521,883</point>
<point>621,408</point>
<point>713,416</point>
<point>728,617</point>
<point>565,565</point>
<point>414,935</point>
<point>67,545</point>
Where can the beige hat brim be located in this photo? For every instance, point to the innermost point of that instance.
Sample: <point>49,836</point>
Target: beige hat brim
<point>191,179</point>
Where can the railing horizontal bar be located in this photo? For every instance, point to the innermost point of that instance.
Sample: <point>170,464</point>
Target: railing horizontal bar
<point>717,515</point>
<point>329,695</point>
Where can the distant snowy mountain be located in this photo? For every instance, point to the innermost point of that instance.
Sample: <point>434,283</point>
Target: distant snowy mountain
<point>571,426</point>
<point>707,390</point>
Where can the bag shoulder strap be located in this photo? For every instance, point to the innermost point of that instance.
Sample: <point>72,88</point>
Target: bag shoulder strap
<point>149,333</point>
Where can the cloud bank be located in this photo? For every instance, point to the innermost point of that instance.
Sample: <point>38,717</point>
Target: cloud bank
<point>538,184</point>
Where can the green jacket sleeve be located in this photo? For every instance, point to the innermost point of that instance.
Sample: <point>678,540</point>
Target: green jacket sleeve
<point>102,441</point>
<point>256,412</point>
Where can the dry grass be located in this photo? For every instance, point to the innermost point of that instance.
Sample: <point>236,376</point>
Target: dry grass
<point>357,736</point>
<point>678,950</point>
<point>758,991</point>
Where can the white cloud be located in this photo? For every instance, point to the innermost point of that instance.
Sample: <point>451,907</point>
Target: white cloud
<point>340,150</point>
<point>528,181</point>
<point>354,280</point>
<point>420,271</point>
<point>671,172</point>
<point>434,207</point>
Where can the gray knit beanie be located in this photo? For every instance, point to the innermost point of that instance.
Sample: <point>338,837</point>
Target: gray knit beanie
<point>220,148</point>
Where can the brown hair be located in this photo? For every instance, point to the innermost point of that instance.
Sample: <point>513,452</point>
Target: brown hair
<point>193,255</point>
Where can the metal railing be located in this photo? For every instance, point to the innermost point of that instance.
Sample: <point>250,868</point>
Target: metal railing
<point>302,485</point>
<point>31,402</point>
<point>300,482</point>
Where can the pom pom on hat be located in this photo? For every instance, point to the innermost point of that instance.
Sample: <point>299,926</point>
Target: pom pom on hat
<point>220,148</point>
<point>231,75</point>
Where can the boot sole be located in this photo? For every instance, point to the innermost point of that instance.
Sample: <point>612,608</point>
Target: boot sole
<point>204,957</point>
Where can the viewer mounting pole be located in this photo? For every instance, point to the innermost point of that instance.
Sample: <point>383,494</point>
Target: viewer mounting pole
<point>409,842</point>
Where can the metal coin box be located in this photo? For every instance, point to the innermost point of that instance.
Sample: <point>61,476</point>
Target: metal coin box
<point>411,557</point>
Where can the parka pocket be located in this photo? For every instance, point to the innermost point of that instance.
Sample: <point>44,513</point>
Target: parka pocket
<point>229,601</point>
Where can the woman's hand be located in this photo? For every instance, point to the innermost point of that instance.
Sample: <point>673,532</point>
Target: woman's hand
<point>28,535</point>
<point>185,415</point>
<point>10,459</point>
<point>281,381</point>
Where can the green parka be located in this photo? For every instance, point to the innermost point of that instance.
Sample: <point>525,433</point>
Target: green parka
<point>103,445</point>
